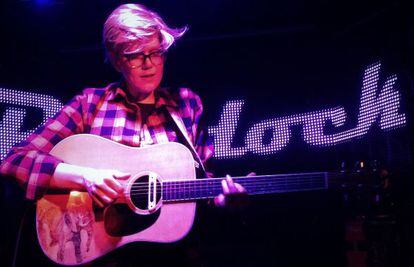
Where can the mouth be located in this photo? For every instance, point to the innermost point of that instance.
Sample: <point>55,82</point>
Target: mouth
<point>147,76</point>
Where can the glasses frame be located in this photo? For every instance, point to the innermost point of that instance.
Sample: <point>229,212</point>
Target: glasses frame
<point>129,58</point>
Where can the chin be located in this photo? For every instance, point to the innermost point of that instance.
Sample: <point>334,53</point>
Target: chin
<point>145,87</point>
<point>149,89</point>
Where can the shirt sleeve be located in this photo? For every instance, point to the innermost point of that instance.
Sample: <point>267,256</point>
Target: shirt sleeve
<point>30,162</point>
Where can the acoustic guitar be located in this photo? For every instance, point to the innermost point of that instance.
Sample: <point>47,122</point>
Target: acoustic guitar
<point>158,204</point>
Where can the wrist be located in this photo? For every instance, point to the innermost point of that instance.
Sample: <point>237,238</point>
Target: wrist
<point>69,176</point>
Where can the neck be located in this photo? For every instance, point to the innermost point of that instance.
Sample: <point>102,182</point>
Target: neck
<point>144,98</point>
<point>148,99</point>
<point>179,190</point>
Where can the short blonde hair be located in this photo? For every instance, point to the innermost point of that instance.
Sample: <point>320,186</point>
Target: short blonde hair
<point>133,22</point>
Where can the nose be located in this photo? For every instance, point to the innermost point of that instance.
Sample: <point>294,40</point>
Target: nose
<point>147,64</point>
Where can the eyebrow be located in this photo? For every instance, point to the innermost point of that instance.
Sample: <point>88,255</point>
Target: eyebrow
<point>150,52</point>
<point>156,50</point>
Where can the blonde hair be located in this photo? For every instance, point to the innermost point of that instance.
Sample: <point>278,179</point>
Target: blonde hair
<point>133,22</point>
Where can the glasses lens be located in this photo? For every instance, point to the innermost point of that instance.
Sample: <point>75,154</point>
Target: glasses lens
<point>136,60</point>
<point>156,57</point>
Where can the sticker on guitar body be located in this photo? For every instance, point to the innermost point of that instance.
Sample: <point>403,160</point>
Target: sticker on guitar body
<point>68,230</point>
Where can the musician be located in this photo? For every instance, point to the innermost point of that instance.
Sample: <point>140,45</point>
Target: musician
<point>131,112</point>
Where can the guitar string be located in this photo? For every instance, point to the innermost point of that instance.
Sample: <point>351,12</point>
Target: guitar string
<point>267,190</point>
<point>244,181</point>
<point>248,185</point>
<point>249,177</point>
<point>236,179</point>
<point>263,186</point>
<point>191,193</point>
<point>186,187</point>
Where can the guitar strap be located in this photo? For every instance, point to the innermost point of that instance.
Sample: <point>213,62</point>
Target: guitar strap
<point>182,132</point>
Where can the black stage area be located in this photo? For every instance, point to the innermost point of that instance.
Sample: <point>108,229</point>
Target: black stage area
<point>284,86</point>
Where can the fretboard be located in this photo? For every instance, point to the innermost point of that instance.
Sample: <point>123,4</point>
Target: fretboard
<point>182,190</point>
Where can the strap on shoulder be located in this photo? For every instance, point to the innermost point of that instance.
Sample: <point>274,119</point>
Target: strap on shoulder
<point>182,132</point>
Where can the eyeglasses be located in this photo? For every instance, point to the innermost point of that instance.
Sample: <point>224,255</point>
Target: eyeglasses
<point>136,60</point>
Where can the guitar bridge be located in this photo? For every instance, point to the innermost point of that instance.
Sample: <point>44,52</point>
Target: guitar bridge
<point>152,191</point>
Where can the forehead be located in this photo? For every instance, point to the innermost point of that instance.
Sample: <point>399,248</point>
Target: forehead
<point>138,46</point>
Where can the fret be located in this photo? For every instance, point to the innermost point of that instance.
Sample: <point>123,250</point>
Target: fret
<point>175,191</point>
<point>164,192</point>
<point>180,190</point>
<point>170,189</point>
<point>186,190</point>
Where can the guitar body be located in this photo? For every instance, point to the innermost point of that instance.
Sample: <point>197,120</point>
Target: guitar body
<point>72,230</point>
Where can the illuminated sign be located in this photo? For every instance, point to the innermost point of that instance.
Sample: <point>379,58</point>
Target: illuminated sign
<point>379,103</point>
<point>16,103</point>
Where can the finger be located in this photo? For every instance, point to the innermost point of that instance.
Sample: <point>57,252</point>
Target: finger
<point>107,190</point>
<point>121,175</point>
<point>97,201</point>
<point>239,188</point>
<point>252,174</point>
<point>102,196</point>
<point>89,187</point>
<point>225,186</point>
<point>220,200</point>
<point>114,184</point>
<point>230,183</point>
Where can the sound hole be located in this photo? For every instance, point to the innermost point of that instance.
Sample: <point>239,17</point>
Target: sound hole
<point>139,192</point>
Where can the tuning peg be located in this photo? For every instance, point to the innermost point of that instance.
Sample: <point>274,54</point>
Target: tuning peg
<point>374,164</point>
<point>360,166</point>
<point>343,168</point>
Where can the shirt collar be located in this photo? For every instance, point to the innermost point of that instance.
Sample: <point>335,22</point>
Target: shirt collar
<point>162,96</point>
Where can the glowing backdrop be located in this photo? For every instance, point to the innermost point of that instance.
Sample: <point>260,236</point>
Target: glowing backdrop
<point>378,103</point>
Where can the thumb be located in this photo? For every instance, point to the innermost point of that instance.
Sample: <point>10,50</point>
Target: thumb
<point>121,175</point>
<point>252,174</point>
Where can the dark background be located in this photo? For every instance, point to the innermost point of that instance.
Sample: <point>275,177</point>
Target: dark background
<point>282,58</point>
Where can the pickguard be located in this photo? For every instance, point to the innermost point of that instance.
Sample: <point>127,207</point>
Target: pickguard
<point>120,220</point>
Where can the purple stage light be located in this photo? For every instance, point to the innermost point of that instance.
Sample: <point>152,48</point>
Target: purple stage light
<point>43,2</point>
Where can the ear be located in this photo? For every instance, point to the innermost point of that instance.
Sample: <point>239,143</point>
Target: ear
<point>115,60</point>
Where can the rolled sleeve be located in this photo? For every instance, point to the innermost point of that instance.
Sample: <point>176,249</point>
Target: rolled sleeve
<point>43,168</point>
<point>30,163</point>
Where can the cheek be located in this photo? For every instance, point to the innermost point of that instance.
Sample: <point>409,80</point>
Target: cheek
<point>159,69</point>
<point>158,75</point>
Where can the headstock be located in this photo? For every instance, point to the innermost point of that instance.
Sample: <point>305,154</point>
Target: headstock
<point>365,186</point>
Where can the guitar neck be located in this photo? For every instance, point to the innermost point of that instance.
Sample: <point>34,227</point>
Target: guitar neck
<point>182,190</point>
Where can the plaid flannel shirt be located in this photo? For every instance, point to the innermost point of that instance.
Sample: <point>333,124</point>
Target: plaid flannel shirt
<point>109,113</point>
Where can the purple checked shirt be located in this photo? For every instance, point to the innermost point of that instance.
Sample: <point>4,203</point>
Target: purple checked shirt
<point>109,113</point>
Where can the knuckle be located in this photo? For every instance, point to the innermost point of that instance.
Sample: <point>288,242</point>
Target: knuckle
<point>107,179</point>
